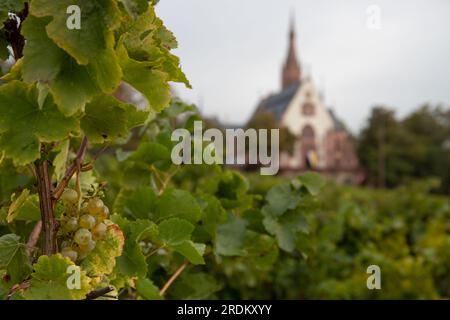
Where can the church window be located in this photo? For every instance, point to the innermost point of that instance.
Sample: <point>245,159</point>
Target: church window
<point>308,109</point>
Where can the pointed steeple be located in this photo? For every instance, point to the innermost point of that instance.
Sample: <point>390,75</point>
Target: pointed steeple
<point>291,69</point>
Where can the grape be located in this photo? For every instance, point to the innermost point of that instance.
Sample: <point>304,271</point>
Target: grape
<point>69,253</point>
<point>87,221</point>
<point>95,206</point>
<point>99,230</point>
<point>70,196</point>
<point>103,214</point>
<point>83,236</point>
<point>71,224</point>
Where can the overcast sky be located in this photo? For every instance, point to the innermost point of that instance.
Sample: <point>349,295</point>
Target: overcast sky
<point>233,50</point>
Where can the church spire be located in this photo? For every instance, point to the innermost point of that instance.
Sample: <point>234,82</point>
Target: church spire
<point>291,69</point>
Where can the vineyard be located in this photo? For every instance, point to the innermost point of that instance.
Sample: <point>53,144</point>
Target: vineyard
<point>92,206</point>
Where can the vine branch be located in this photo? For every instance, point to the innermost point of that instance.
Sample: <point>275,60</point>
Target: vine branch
<point>75,166</point>
<point>172,278</point>
<point>34,237</point>
<point>99,293</point>
<point>49,224</point>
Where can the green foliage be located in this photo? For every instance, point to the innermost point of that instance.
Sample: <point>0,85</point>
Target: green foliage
<point>102,259</point>
<point>27,125</point>
<point>49,280</point>
<point>395,151</point>
<point>14,258</point>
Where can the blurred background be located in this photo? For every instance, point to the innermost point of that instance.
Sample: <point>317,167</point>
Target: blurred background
<point>367,94</point>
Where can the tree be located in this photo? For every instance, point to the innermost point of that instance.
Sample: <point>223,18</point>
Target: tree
<point>395,151</point>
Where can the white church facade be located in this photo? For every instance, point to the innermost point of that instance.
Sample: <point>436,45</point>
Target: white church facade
<point>321,141</point>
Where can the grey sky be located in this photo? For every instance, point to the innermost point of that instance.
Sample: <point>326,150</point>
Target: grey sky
<point>233,50</point>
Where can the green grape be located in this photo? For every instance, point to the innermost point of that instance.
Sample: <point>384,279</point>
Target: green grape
<point>69,253</point>
<point>87,221</point>
<point>71,224</point>
<point>95,206</point>
<point>99,230</point>
<point>103,214</point>
<point>83,236</point>
<point>69,196</point>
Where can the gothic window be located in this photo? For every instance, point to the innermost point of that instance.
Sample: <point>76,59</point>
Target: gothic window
<point>308,109</point>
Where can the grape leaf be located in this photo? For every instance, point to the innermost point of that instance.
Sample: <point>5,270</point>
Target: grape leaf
<point>49,280</point>
<point>286,227</point>
<point>106,118</point>
<point>313,182</point>
<point>3,16</point>
<point>281,198</point>
<point>73,87</point>
<point>15,73</point>
<point>135,7</point>
<point>25,126</point>
<point>192,286</point>
<point>14,258</point>
<point>132,261</point>
<point>42,57</point>
<point>147,289</point>
<point>215,214</point>
<point>150,82</point>
<point>175,231</point>
<point>150,153</point>
<point>4,52</point>
<point>25,207</point>
<point>71,84</point>
<point>98,21</point>
<point>147,39</point>
<point>60,161</point>
<point>136,203</point>
<point>103,258</point>
<point>177,203</point>
<point>262,250</point>
<point>192,251</point>
<point>12,5</point>
<point>230,237</point>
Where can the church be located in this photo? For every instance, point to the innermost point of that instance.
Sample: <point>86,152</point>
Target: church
<point>322,142</point>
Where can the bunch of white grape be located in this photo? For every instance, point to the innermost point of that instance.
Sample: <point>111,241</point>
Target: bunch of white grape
<point>80,229</point>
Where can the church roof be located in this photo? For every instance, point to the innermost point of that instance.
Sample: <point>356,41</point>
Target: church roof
<point>338,124</point>
<point>277,103</point>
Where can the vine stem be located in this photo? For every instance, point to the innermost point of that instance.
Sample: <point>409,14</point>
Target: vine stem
<point>76,165</point>
<point>34,237</point>
<point>47,207</point>
<point>172,278</point>
<point>99,293</point>
<point>48,199</point>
